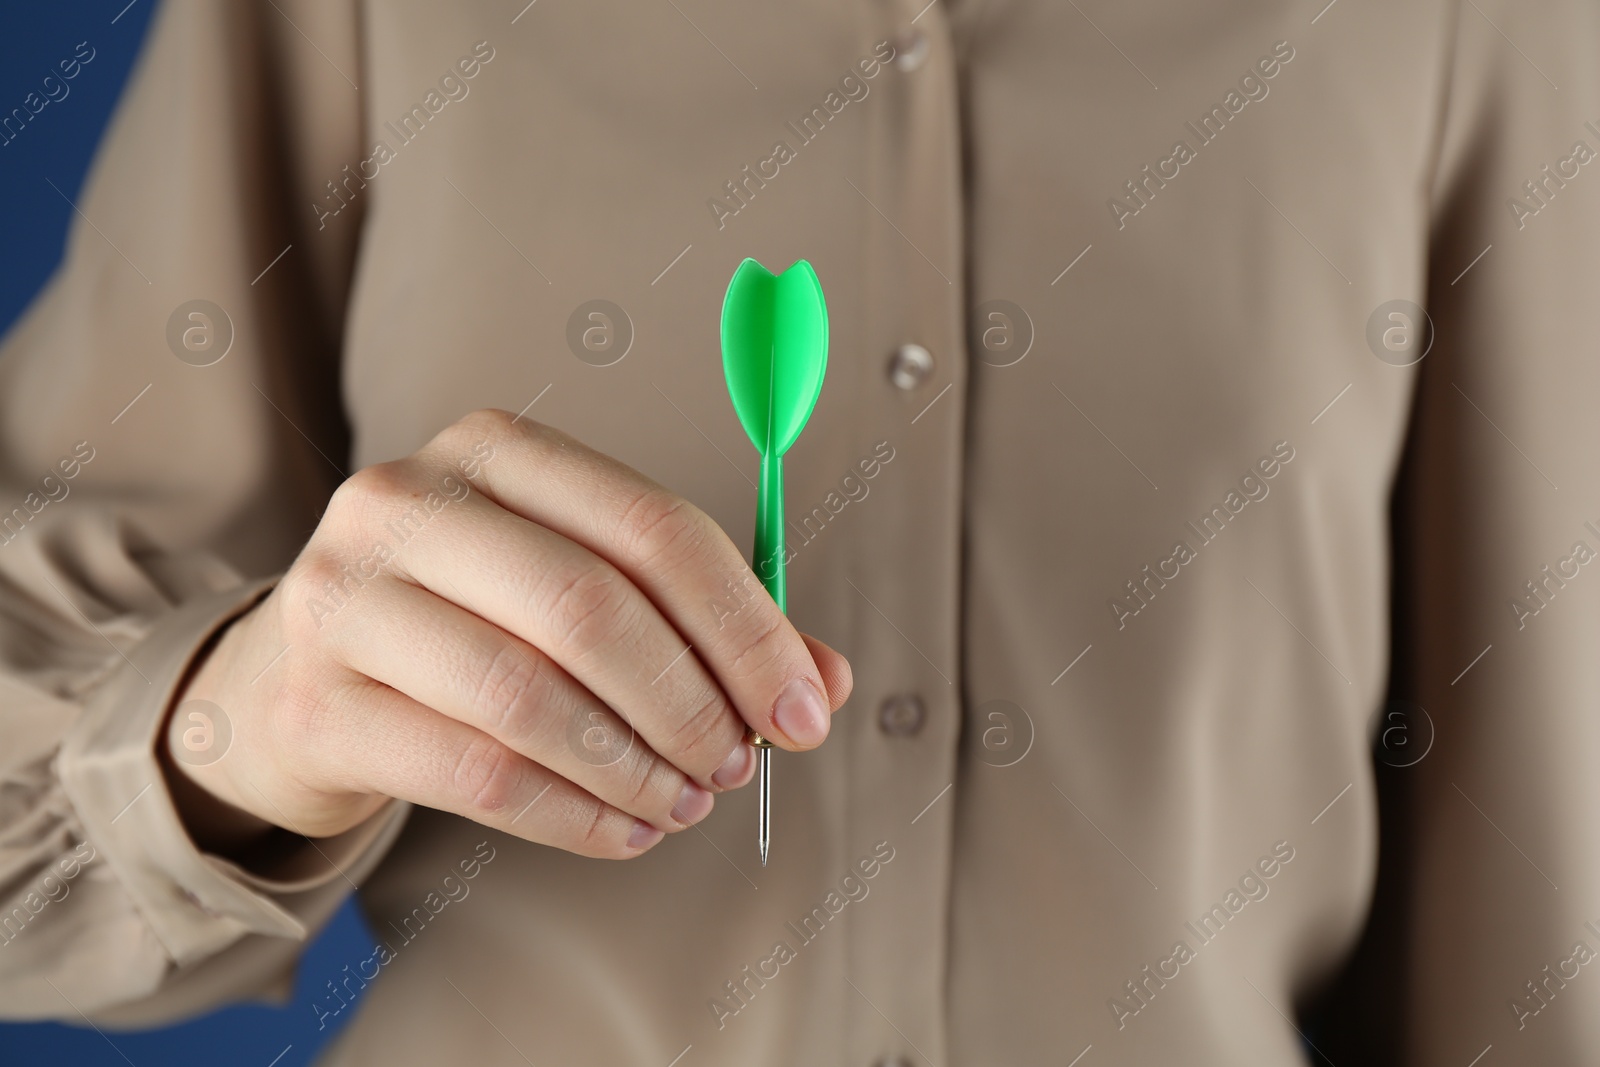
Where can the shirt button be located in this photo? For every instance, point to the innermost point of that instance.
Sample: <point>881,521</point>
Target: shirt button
<point>902,715</point>
<point>910,366</point>
<point>910,48</point>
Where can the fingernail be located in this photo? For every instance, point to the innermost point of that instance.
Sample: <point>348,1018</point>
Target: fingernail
<point>644,835</point>
<point>693,804</point>
<point>735,770</point>
<point>800,713</point>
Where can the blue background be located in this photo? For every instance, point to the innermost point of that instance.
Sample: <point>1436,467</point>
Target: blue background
<point>57,146</point>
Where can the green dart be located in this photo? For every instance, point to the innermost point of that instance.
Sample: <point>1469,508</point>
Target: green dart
<point>774,355</point>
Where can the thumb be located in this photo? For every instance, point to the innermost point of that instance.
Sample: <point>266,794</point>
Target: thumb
<point>835,671</point>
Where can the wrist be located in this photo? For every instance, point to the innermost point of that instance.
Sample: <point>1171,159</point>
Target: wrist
<point>191,747</point>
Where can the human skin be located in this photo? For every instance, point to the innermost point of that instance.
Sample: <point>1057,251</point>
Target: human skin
<point>544,584</point>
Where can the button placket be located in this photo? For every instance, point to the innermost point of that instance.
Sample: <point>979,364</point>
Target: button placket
<point>908,557</point>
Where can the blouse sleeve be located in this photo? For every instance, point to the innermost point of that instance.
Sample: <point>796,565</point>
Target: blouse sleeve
<point>1498,525</point>
<point>170,428</point>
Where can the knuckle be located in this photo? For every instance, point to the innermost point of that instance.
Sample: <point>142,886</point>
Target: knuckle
<point>590,609</point>
<point>703,734</point>
<point>606,831</point>
<point>305,593</point>
<point>506,692</point>
<point>652,791</point>
<point>494,423</point>
<point>486,776</point>
<point>370,487</point>
<point>498,427</point>
<point>491,425</point>
<point>755,649</point>
<point>660,523</point>
<point>305,578</point>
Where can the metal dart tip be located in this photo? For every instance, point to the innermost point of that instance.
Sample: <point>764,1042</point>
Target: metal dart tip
<point>764,802</point>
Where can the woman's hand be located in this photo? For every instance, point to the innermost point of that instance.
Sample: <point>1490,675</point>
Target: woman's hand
<point>515,628</point>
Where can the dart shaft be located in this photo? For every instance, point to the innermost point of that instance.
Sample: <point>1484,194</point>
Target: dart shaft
<point>769,559</point>
<point>770,542</point>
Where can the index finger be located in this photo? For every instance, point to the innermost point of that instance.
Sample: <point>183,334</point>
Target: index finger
<point>673,552</point>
